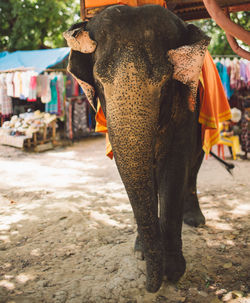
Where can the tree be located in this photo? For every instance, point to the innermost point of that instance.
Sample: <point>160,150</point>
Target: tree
<point>219,44</point>
<point>35,24</point>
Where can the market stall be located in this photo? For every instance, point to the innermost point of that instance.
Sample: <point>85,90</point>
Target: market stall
<point>40,102</point>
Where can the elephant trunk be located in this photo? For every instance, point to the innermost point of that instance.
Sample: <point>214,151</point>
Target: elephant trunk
<point>132,119</point>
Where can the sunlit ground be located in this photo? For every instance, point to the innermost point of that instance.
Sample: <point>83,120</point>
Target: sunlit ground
<point>66,226</point>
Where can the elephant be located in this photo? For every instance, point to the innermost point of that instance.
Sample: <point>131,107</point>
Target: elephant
<point>143,64</point>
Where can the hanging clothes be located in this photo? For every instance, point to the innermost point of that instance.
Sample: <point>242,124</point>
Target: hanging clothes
<point>243,73</point>
<point>225,79</point>
<point>68,115</point>
<point>69,85</point>
<point>5,101</point>
<point>60,92</point>
<point>234,74</point>
<point>52,106</point>
<point>10,84</point>
<point>45,88</point>
<point>25,78</point>
<point>21,91</point>
<point>17,84</point>
<point>32,89</point>
<point>248,73</point>
<point>80,121</point>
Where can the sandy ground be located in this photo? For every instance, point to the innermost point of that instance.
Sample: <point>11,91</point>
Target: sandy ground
<point>67,232</point>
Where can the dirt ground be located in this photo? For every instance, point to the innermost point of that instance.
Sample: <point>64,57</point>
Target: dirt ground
<point>67,232</point>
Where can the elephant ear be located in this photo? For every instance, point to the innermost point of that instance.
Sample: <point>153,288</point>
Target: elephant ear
<point>80,60</point>
<point>188,60</point>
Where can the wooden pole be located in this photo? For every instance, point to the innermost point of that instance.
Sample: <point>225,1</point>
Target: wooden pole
<point>82,9</point>
<point>53,132</point>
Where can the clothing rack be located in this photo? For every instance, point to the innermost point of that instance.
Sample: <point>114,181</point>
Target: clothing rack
<point>24,69</point>
<point>18,69</point>
<point>226,56</point>
<point>63,70</point>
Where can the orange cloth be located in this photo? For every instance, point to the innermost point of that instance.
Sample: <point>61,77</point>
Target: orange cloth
<point>97,3</point>
<point>101,127</point>
<point>214,107</point>
<point>214,104</point>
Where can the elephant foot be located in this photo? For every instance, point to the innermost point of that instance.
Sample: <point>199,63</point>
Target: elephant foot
<point>175,266</point>
<point>154,266</point>
<point>138,249</point>
<point>194,218</point>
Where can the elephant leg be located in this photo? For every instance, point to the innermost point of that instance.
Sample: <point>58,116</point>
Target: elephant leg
<point>172,183</point>
<point>192,214</point>
<point>132,140</point>
<point>138,249</point>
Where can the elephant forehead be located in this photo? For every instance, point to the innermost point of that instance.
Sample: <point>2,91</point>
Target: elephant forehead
<point>130,78</point>
<point>129,89</point>
<point>133,65</point>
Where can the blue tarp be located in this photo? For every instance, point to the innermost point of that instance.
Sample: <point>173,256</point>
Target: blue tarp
<point>39,60</point>
<point>2,54</point>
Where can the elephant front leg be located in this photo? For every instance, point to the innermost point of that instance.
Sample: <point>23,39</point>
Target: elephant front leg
<point>172,186</point>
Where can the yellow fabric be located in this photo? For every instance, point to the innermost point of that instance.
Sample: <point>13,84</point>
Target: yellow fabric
<point>214,107</point>
<point>101,122</point>
<point>98,3</point>
<point>214,104</point>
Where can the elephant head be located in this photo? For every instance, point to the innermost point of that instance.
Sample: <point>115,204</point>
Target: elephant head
<point>143,64</point>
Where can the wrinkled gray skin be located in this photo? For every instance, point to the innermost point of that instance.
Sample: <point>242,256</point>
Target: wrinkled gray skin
<point>154,135</point>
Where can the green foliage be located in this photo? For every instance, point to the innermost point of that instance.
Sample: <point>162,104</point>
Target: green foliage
<point>219,44</point>
<point>35,24</point>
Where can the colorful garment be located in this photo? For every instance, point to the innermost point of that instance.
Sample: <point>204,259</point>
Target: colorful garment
<point>235,74</point>
<point>80,115</point>
<point>52,106</point>
<point>17,84</point>
<point>225,79</point>
<point>243,73</point>
<point>69,86</point>
<point>32,89</point>
<point>10,84</point>
<point>248,73</point>
<point>25,76</point>
<point>45,88</point>
<point>60,92</point>
<point>5,101</point>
